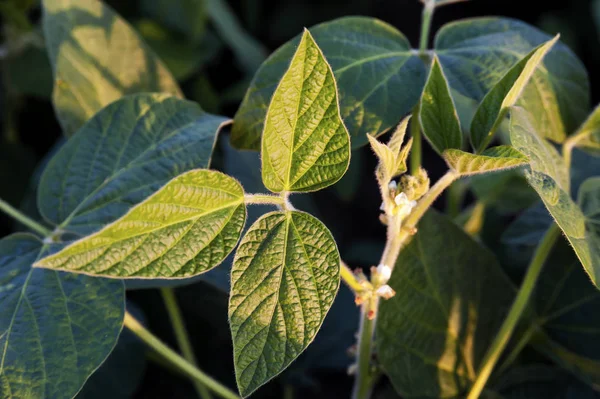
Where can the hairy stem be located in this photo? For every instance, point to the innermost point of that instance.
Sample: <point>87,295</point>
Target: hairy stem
<point>182,336</point>
<point>516,310</point>
<point>264,199</point>
<point>21,217</point>
<point>175,359</point>
<point>350,279</point>
<point>415,133</point>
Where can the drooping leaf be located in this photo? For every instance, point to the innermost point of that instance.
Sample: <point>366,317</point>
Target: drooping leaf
<point>588,135</point>
<point>437,113</point>
<point>284,278</point>
<point>186,228</point>
<point>493,159</point>
<point>359,49</point>
<point>476,53</point>
<point>305,145</point>
<point>549,177</point>
<point>433,334</point>
<point>504,95</point>
<point>97,58</point>
<point>121,156</point>
<point>55,328</point>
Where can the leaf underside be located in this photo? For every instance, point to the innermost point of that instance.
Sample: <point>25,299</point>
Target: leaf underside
<point>493,159</point>
<point>305,145</point>
<point>285,276</point>
<point>186,228</point>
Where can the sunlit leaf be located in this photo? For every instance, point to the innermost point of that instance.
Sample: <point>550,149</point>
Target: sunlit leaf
<point>588,135</point>
<point>437,113</point>
<point>55,328</point>
<point>433,334</point>
<point>186,228</point>
<point>359,49</point>
<point>97,58</point>
<point>284,278</point>
<point>305,145</point>
<point>493,159</point>
<point>122,155</point>
<point>504,95</point>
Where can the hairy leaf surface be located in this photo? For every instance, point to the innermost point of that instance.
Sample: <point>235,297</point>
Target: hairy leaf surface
<point>490,160</point>
<point>122,155</point>
<point>305,145</point>
<point>359,49</point>
<point>476,53</point>
<point>504,95</point>
<point>588,136</point>
<point>432,335</point>
<point>437,112</point>
<point>549,177</point>
<point>97,58</point>
<point>55,328</point>
<point>284,278</point>
<point>187,227</point>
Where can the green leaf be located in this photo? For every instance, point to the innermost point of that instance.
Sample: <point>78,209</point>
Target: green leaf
<point>305,145</point>
<point>507,191</point>
<point>437,113</point>
<point>503,95</point>
<point>359,49</point>
<point>490,160</point>
<point>549,177</point>
<point>55,328</point>
<point>187,17</point>
<point>392,157</point>
<point>122,155</point>
<point>186,228</point>
<point>476,53</point>
<point>97,58</point>
<point>284,278</point>
<point>588,136</point>
<point>433,334</point>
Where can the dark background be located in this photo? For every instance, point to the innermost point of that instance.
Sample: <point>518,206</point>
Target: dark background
<point>30,130</point>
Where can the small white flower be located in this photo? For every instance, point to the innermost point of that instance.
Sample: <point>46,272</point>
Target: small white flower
<point>382,207</point>
<point>384,272</point>
<point>402,200</point>
<point>393,186</point>
<point>385,291</point>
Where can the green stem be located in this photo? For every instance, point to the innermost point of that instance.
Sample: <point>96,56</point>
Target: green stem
<point>168,354</point>
<point>428,8</point>
<point>17,215</point>
<point>416,149</point>
<point>182,336</point>
<point>350,279</point>
<point>266,199</point>
<point>517,309</point>
<point>363,381</point>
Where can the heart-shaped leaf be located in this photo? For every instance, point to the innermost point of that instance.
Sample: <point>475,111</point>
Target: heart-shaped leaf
<point>476,53</point>
<point>359,49</point>
<point>437,113</point>
<point>285,276</point>
<point>305,145</point>
<point>549,177</point>
<point>122,155</point>
<point>186,228</point>
<point>97,58</point>
<point>55,328</point>
<point>433,334</point>
<point>493,159</point>
<point>503,95</point>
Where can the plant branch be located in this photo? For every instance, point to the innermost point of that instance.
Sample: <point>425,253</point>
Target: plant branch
<point>428,8</point>
<point>170,355</point>
<point>516,310</point>
<point>182,336</point>
<point>21,217</point>
<point>264,199</point>
<point>350,279</point>
<point>417,144</point>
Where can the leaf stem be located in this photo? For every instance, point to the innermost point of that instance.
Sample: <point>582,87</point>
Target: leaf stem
<point>428,8</point>
<point>350,279</point>
<point>182,336</point>
<point>516,310</point>
<point>415,133</point>
<point>264,199</point>
<point>21,217</point>
<point>170,355</point>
